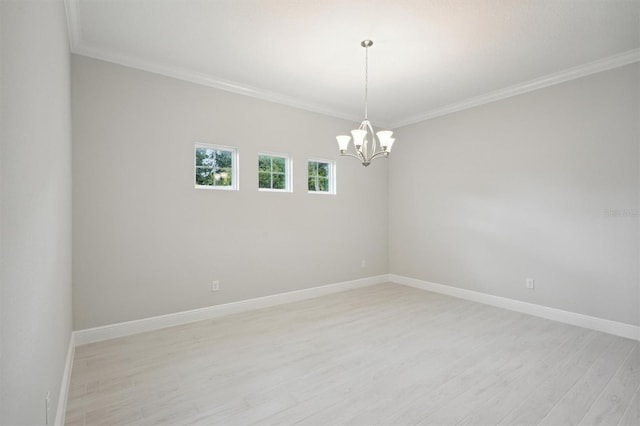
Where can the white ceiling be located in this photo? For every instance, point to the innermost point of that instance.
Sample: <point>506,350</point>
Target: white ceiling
<point>429,57</point>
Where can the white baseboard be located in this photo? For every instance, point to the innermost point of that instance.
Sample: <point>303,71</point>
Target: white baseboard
<point>90,335</point>
<point>64,386</point>
<point>599,324</point>
<point>106,332</point>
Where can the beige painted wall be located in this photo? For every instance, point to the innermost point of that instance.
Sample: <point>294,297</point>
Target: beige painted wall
<point>525,187</point>
<point>147,243</point>
<point>35,176</point>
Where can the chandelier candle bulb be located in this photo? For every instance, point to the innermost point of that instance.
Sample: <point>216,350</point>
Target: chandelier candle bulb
<point>384,136</point>
<point>343,142</point>
<point>390,144</point>
<point>358,137</point>
<point>366,147</point>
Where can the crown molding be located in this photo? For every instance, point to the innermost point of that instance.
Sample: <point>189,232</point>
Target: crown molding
<point>611,62</point>
<point>80,48</point>
<point>206,80</point>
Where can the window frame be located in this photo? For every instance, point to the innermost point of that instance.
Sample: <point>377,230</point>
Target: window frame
<point>288,171</point>
<point>331,179</point>
<point>235,166</point>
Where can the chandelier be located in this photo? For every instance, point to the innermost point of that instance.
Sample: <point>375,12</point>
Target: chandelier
<point>366,147</point>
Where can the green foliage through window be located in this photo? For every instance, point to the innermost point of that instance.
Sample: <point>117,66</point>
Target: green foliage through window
<point>272,172</point>
<point>319,179</point>
<point>214,166</point>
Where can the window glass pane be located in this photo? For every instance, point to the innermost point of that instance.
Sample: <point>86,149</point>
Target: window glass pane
<point>223,160</point>
<point>278,181</point>
<point>323,169</point>
<point>323,184</point>
<point>222,178</point>
<point>278,164</point>
<point>264,163</point>
<point>204,157</point>
<point>312,184</point>
<point>313,168</point>
<point>264,180</point>
<point>204,176</point>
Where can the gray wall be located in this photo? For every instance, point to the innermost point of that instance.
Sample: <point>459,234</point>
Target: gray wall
<point>524,187</point>
<point>35,165</point>
<point>147,243</point>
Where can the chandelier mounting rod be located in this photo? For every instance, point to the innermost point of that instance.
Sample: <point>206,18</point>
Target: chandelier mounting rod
<point>366,44</point>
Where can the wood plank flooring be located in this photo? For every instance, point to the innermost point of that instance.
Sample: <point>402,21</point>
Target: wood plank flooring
<point>386,354</point>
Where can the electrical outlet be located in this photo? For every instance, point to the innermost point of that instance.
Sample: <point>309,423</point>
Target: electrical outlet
<point>530,283</point>
<point>215,285</point>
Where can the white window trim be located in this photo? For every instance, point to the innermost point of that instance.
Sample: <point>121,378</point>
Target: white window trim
<point>288,174</point>
<point>235,167</point>
<point>332,176</point>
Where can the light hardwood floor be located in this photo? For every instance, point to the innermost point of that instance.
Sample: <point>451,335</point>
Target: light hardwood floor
<point>386,354</point>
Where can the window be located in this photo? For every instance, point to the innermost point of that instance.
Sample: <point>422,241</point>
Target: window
<point>321,176</point>
<point>274,172</point>
<point>216,167</point>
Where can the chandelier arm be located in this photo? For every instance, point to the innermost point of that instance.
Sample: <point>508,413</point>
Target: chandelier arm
<point>373,138</point>
<point>348,154</point>
<point>380,154</point>
<point>365,148</point>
